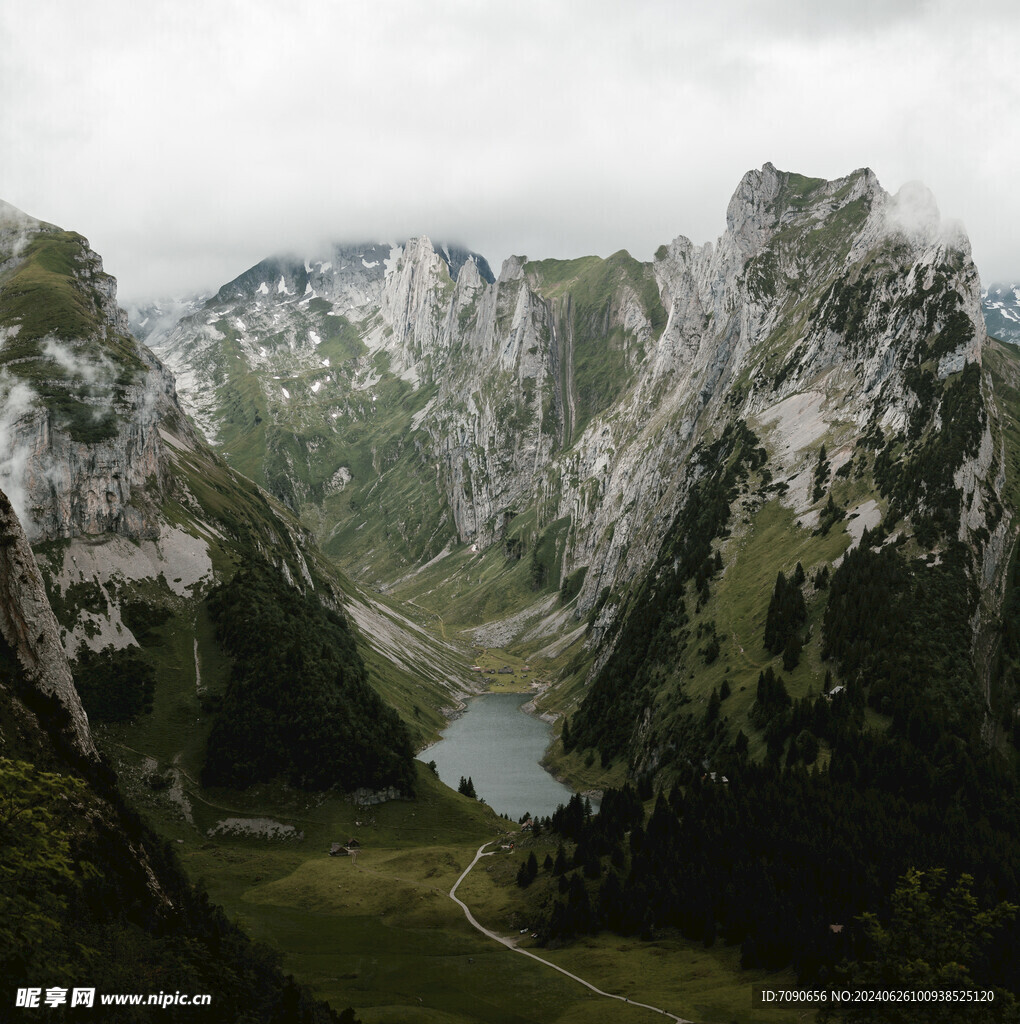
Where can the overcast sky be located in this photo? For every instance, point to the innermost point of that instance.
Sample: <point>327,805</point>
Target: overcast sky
<point>189,139</point>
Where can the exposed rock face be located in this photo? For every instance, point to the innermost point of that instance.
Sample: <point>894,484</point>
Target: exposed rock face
<point>29,626</point>
<point>572,392</point>
<point>80,450</point>
<point>76,488</point>
<point>371,797</point>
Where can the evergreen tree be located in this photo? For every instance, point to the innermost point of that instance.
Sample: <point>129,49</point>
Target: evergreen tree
<point>536,571</point>
<point>611,904</point>
<point>771,698</point>
<point>592,865</point>
<point>806,745</point>
<point>831,514</point>
<point>791,652</point>
<point>712,711</point>
<point>560,864</point>
<point>786,614</point>
<point>821,474</point>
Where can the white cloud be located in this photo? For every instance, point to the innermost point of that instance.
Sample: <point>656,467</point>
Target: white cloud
<point>16,401</point>
<point>188,140</point>
<point>92,369</point>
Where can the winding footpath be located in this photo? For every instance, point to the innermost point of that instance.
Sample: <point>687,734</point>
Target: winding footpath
<point>524,952</point>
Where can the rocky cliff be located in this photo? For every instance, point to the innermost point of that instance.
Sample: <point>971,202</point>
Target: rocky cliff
<point>567,395</point>
<point>97,455</point>
<point>30,629</point>
<point>82,400</point>
<point>528,452</point>
<point>84,879</point>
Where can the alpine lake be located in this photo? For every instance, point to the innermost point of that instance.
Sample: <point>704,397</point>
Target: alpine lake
<point>500,747</point>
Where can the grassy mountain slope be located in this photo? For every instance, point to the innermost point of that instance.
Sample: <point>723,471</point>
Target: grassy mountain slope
<point>74,852</point>
<point>564,419</point>
<point>135,518</point>
<point>748,508</point>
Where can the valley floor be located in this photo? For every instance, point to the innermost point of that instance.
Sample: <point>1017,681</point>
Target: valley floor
<point>380,932</point>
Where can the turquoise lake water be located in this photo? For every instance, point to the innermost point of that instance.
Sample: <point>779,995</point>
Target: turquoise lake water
<point>499,747</point>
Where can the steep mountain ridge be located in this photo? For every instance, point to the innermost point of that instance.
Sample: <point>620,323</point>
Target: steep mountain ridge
<point>90,427</point>
<point>749,508</point>
<point>133,516</point>
<point>566,395</point>
<point>30,629</point>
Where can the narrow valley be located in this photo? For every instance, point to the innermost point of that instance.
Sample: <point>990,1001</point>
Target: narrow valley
<point>658,618</point>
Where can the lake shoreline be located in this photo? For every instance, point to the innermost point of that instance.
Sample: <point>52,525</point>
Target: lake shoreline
<point>502,753</point>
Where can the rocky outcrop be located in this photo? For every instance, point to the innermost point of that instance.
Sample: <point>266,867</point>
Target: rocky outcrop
<point>82,401</point>
<point>78,488</point>
<point>30,628</point>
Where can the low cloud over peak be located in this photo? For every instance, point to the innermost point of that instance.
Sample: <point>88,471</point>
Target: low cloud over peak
<point>187,141</point>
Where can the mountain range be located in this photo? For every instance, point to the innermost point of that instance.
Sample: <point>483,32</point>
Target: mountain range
<point>411,409</point>
<point>749,507</point>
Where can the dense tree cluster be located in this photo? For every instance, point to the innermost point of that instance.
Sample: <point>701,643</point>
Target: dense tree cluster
<point>72,852</point>
<point>35,870</point>
<point>918,476</point>
<point>298,704</point>
<point>771,858</point>
<point>143,618</point>
<point>771,698</point>
<point>937,937</point>
<point>1005,689</point>
<point>902,630</point>
<point>114,685</point>
<point>784,849</point>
